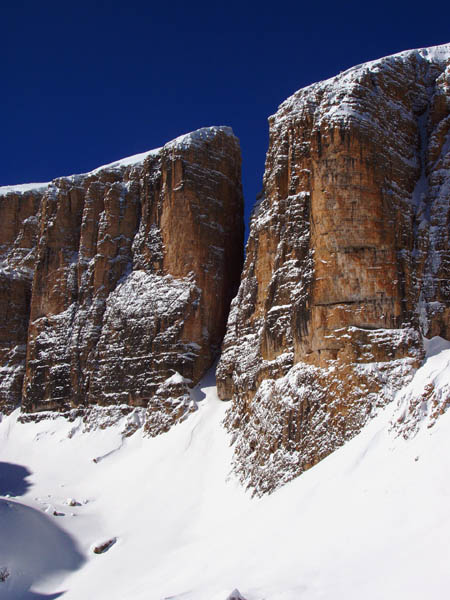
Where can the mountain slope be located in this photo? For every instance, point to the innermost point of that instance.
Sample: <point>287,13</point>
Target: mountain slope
<point>370,521</point>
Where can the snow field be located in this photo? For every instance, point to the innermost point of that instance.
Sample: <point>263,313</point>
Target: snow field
<point>370,521</point>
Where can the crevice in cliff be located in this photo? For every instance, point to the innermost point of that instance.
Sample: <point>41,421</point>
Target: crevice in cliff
<point>427,251</point>
<point>421,216</point>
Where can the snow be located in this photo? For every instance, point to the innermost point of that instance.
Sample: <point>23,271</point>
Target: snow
<point>22,188</point>
<point>427,397</point>
<point>32,546</point>
<point>370,521</point>
<point>126,162</point>
<point>198,137</point>
<point>436,53</point>
<point>334,100</point>
<point>177,378</point>
<point>182,142</point>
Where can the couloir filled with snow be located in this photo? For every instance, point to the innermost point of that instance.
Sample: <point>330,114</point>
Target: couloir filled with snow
<point>370,521</point>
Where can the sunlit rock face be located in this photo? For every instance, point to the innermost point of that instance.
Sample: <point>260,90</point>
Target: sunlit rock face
<point>134,268</point>
<point>347,263</point>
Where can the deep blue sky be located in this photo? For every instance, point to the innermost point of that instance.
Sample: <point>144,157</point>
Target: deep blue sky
<point>86,83</point>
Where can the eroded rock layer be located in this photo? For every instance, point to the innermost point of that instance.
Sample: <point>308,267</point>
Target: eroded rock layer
<point>347,265</point>
<point>135,266</point>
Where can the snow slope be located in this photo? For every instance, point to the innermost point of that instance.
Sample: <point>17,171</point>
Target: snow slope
<point>371,521</point>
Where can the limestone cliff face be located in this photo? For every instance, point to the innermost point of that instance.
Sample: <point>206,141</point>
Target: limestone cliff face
<point>135,266</point>
<point>348,262</point>
<point>19,210</point>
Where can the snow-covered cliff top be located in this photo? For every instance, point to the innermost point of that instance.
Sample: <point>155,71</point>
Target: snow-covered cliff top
<point>336,96</point>
<point>126,162</point>
<point>23,187</point>
<point>199,136</point>
<point>194,138</point>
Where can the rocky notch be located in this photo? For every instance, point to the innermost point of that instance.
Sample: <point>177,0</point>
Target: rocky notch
<point>347,265</point>
<point>135,265</point>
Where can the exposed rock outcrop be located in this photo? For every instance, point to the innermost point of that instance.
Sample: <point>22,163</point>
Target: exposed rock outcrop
<point>19,208</point>
<point>347,265</point>
<point>135,267</point>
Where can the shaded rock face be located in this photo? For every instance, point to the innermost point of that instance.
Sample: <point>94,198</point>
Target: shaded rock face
<point>135,267</point>
<point>347,264</point>
<point>18,237</point>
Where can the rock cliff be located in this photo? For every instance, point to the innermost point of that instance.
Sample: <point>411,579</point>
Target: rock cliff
<point>133,269</point>
<point>347,264</point>
<point>19,208</point>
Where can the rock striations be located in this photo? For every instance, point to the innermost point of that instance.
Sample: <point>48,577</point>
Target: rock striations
<point>116,284</point>
<point>347,265</point>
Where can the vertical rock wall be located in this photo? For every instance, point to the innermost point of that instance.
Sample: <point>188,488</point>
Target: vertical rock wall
<point>135,266</point>
<point>19,210</point>
<point>347,263</point>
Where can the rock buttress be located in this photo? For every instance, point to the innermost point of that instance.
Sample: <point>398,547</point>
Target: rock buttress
<point>347,263</point>
<point>136,265</point>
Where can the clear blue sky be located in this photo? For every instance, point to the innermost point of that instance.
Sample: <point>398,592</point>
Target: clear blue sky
<point>86,83</point>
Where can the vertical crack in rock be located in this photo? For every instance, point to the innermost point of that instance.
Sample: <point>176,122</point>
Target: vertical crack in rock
<point>347,263</point>
<point>135,265</point>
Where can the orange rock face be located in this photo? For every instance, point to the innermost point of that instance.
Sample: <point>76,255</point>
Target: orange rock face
<point>135,267</point>
<point>347,263</point>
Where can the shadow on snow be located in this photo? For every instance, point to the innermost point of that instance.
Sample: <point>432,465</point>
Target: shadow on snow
<point>32,547</point>
<point>13,479</point>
